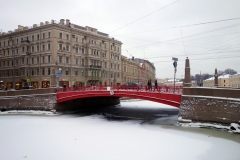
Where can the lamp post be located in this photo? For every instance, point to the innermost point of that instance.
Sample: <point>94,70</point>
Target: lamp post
<point>29,80</point>
<point>175,70</point>
<point>13,64</point>
<point>27,53</point>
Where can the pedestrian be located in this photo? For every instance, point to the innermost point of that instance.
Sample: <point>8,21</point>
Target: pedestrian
<point>150,84</point>
<point>64,87</point>
<point>156,85</point>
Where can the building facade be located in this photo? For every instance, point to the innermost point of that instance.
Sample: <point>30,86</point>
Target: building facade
<point>234,80</point>
<point>138,71</point>
<point>223,81</point>
<point>80,56</point>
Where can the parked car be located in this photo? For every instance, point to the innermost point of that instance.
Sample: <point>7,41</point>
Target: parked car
<point>130,85</point>
<point>28,87</point>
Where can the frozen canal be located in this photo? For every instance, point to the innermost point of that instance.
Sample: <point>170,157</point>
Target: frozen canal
<point>136,130</point>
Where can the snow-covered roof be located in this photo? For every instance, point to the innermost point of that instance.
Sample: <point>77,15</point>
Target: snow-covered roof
<point>224,76</point>
<point>209,79</point>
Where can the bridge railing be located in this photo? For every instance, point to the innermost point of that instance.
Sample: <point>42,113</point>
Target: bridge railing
<point>160,89</point>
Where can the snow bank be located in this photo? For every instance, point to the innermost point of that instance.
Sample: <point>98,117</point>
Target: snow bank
<point>234,127</point>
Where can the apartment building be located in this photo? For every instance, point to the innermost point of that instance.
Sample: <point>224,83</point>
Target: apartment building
<point>137,70</point>
<point>83,56</point>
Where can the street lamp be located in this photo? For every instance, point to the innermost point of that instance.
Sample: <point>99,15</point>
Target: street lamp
<point>27,53</point>
<point>29,80</point>
<point>175,70</point>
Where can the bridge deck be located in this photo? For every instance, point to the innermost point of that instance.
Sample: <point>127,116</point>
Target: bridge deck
<point>161,94</point>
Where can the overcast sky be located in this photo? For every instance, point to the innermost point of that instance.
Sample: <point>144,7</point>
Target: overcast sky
<point>152,29</point>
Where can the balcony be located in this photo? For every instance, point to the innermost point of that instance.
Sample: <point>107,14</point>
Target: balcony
<point>95,66</point>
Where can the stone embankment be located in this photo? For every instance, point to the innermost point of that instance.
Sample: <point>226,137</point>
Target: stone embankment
<point>46,100</point>
<point>220,105</point>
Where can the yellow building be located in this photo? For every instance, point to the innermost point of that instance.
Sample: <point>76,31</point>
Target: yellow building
<point>234,80</point>
<point>223,81</point>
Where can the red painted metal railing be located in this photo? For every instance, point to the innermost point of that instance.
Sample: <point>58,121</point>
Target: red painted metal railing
<point>161,94</point>
<point>160,89</point>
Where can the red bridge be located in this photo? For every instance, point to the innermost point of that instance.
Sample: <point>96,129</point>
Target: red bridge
<point>162,94</point>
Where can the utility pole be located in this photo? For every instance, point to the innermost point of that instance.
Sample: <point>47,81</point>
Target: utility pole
<point>175,70</point>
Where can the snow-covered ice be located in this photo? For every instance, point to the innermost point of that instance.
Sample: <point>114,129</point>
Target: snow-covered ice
<point>91,137</point>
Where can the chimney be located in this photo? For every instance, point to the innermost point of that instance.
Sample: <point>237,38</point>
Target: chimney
<point>20,27</point>
<point>62,21</point>
<point>67,22</point>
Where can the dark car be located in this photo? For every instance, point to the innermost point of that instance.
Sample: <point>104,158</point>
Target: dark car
<point>130,85</point>
<point>28,87</point>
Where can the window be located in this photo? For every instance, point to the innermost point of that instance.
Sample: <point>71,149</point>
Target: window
<point>32,72</point>
<point>16,62</point>
<point>37,48</point>
<point>67,36</point>
<point>49,71</point>
<point>43,36</point>
<point>67,60</point>
<point>43,71</point>
<point>60,59</point>
<point>111,47</point>
<point>37,36</point>
<point>82,72</point>
<point>111,66</point>
<point>60,35</point>
<point>49,34</point>
<point>37,73</point>
<point>0,44</point>
<point>66,71</point>
<point>32,48</point>
<point>4,43</point>
<point>83,40</point>
<point>82,50</point>
<point>76,49</point>
<point>37,60</point>
<point>118,49</point>
<point>105,64</point>
<point>76,72</point>
<point>83,62</point>
<point>17,41</point>
<point>43,58</point>
<point>22,49</point>
<point>105,45</point>
<point>22,60</point>
<point>49,47</point>
<point>49,59</point>
<point>32,60</point>
<point>118,66</point>
<point>67,48</point>
<point>76,61</point>
<point>100,44</point>
<point>60,47</point>
<point>76,38</point>
<point>43,47</point>
<point>23,72</point>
